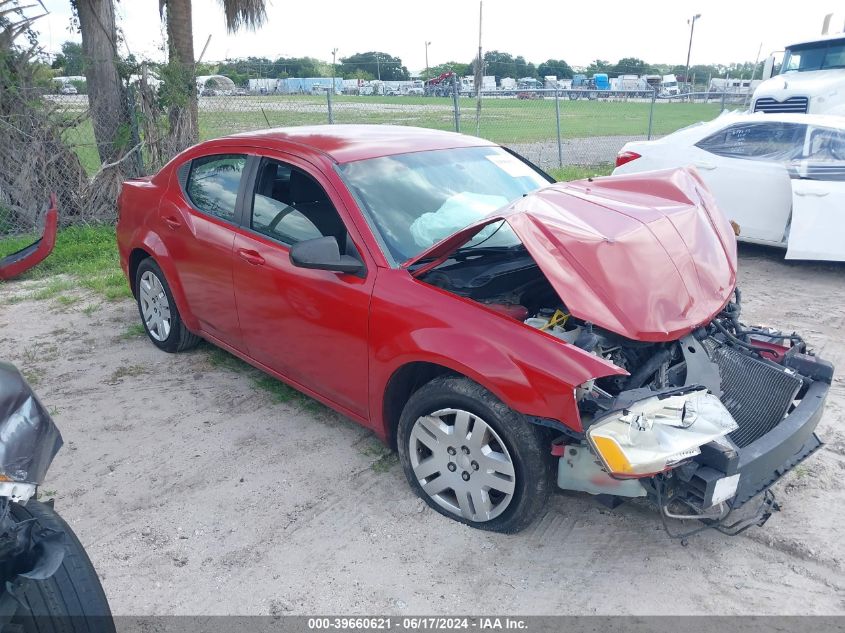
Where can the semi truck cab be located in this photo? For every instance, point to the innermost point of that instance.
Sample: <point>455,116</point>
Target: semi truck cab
<point>811,79</point>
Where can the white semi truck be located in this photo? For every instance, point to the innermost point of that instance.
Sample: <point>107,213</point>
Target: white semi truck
<point>811,78</point>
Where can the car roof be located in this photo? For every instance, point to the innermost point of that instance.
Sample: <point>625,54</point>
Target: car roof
<point>826,120</point>
<point>347,143</point>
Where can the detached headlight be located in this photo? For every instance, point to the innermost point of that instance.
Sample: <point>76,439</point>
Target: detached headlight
<point>658,432</point>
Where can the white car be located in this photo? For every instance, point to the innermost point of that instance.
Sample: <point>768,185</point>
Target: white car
<point>780,177</point>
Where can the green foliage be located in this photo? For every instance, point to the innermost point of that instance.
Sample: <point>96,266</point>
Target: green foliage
<point>630,66</point>
<point>72,59</point>
<point>503,64</point>
<point>242,70</point>
<point>557,67</point>
<point>579,172</point>
<point>456,67</point>
<point>599,66</point>
<point>381,65</point>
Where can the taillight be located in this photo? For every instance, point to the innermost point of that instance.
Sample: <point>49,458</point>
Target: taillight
<point>626,157</point>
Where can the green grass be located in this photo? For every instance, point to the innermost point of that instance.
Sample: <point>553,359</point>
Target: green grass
<point>579,172</point>
<point>502,120</point>
<point>86,253</point>
<point>278,391</point>
<point>133,331</point>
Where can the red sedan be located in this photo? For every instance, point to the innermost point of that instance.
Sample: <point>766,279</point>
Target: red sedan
<point>503,332</point>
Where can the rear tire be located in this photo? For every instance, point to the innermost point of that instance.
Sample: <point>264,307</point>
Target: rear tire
<point>72,599</point>
<point>498,480</point>
<point>159,314</point>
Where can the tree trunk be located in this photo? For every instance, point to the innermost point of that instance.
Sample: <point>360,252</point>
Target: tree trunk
<point>106,94</point>
<point>183,107</point>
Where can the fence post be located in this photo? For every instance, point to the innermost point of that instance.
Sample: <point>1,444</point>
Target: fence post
<point>651,110</point>
<point>329,103</point>
<point>134,116</point>
<point>456,103</point>
<point>559,142</point>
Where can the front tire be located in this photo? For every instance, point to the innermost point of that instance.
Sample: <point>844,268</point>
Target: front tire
<point>472,458</point>
<point>72,599</point>
<point>159,314</point>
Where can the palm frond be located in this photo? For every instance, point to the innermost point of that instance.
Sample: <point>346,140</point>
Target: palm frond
<point>249,14</point>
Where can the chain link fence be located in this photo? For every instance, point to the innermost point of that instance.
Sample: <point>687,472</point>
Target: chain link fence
<point>48,144</point>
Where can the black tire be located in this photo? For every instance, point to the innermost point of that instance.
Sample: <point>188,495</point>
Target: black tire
<point>180,338</point>
<point>72,599</point>
<point>523,441</point>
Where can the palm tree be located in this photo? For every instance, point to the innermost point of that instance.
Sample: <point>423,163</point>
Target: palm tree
<point>107,95</point>
<point>182,64</point>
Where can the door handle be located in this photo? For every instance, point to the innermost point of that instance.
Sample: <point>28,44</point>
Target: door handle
<point>707,166</point>
<point>251,257</point>
<point>172,221</point>
<point>818,194</point>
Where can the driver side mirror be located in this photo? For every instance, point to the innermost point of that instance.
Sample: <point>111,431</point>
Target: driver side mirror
<point>323,253</point>
<point>768,67</point>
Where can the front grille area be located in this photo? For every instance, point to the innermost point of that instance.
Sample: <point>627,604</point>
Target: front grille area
<point>771,105</point>
<point>757,394</point>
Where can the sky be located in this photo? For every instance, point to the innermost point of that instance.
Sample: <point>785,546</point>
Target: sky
<point>578,32</point>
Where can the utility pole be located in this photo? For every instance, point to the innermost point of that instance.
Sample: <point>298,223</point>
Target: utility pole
<point>689,50</point>
<point>427,44</point>
<point>378,68</point>
<point>479,75</point>
<point>334,61</point>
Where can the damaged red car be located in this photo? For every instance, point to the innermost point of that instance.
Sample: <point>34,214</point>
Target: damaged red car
<point>505,333</point>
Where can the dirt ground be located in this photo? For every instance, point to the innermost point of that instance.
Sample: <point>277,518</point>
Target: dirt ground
<point>195,491</point>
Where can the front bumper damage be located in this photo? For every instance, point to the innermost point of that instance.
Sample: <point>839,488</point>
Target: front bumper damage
<point>726,486</point>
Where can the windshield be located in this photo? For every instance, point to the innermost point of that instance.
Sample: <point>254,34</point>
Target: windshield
<point>414,200</point>
<point>815,56</point>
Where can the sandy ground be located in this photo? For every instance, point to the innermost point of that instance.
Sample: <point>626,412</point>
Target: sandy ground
<point>196,493</point>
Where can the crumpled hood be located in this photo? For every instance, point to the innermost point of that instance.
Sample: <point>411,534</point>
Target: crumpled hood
<point>647,255</point>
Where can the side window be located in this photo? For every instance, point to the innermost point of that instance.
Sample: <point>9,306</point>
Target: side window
<point>769,141</point>
<point>290,206</point>
<point>825,158</point>
<point>213,184</point>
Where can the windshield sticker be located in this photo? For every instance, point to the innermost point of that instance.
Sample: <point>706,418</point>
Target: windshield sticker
<point>511,165</point>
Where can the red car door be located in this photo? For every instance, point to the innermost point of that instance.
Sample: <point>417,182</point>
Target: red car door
<point>198,217</point>
<point>311,326</point>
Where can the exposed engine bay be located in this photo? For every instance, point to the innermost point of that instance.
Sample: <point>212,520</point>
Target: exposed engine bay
<point>677,427</point>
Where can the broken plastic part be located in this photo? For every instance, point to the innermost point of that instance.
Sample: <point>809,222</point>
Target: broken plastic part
<point>29,439</point>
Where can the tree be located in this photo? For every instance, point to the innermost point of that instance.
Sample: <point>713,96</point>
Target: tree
<point>106,94</point>
<point>455,67</point>
<point>381,65</point>
<point>599,66</point>
<point>180,74</point>
<point>557,67</point>
<point>71,57</point>
<point>630,66</point>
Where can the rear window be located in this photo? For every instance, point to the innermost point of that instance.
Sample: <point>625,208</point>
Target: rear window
<point>771,141</point>
<point>214,182</point>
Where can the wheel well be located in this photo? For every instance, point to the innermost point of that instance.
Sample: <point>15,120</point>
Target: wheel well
<point>135,258</point>
<point>402,384</point>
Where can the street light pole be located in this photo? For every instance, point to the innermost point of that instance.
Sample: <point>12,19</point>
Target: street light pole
<point>689,50</point>
<point>334,63</point>
<point>427,44</point>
